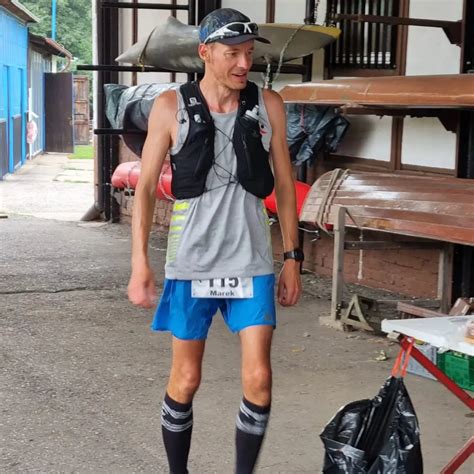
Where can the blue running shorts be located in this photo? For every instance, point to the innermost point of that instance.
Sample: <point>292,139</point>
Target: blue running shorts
<point>190,318</point>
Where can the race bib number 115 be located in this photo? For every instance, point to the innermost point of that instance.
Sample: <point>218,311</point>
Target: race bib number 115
<point>222,288</point>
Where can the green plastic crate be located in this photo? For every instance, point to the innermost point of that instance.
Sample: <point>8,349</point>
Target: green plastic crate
<point>458,367</point>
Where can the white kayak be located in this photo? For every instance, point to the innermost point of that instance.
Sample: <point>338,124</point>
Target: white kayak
<point>173,45</point>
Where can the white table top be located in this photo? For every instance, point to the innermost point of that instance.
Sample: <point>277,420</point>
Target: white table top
<point>443,332</point>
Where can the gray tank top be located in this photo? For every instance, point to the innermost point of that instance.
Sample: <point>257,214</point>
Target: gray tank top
<point>225,231</point>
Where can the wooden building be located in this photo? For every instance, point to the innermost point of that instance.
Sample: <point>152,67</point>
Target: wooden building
<point>380,38</point>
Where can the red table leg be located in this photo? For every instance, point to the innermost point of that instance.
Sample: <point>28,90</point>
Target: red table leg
<point>460,458</point>
<point>441,376</point>
<point>468,448</point>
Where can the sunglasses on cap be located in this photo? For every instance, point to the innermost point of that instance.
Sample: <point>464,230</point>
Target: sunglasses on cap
<point>231,30</point>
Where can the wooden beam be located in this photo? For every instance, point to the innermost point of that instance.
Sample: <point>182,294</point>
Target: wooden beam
<point>445,277</point>
<point>453,29</point>
<point>391,245</point>
<point>338,264</point>
<point>418,311</point>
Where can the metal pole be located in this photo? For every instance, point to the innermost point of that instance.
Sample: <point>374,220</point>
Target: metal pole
<point>191,21</point>
<point>310,7</point>
<point>135,37</point>
<point>114,140</point>
<point>270,13</point>
<point>100,112</point>
<point>207,6</point>
<point>53,19</point>
<point>144,6</point>
<point>463,267</point>
<point>302,173</point>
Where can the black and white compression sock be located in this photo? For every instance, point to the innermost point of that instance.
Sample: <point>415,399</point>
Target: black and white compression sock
<point>251,424</point>
<point>176,427</point>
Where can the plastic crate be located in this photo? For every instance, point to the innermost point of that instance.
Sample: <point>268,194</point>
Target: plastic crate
<point>458,367</point>
<point>416,368</point>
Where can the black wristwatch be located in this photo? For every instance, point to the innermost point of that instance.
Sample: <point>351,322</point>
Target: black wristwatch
<point>295,254</point>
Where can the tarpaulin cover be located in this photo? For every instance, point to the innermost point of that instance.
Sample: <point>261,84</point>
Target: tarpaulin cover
<point>312,129</point>
<point>130,107</point>
<point>377,436</point>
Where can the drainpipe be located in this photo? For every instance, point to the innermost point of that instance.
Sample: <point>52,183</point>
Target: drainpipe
<point>95,212</point>
<point>53,19</point>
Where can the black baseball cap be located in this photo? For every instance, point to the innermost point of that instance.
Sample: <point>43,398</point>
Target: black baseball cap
<point>228,26</point>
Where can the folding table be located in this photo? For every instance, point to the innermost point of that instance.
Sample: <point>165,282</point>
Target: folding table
<point>445,333</point>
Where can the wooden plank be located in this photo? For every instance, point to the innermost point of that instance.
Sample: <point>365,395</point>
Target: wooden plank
<point>457,235</point>
<point>402,181</point>
<point>415,187</point>
<point>445,271</point>
<point>81,110</point>
<point>418,311</point>
<point>338,264</point>
<point>427,207</point>
<point>450,91</point>
<point>451,208</point>
<point>408,216</point>
<point>405,184</point>
<point>444,233</point>
<point>390,245</point>
<point>462,306</point>
<point>394,196</point>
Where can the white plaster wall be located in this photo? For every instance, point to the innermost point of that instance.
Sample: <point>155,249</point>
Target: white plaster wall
<point>429,50</point>
<point>368,137</point>
<point>147,20</point>
<point>425,141</point>
<point>293,11</point>
<point>286,11</point>
<point>254,9</point>
<point>125,41</point>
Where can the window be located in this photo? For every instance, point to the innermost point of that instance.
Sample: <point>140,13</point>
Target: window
<point>364,44</point>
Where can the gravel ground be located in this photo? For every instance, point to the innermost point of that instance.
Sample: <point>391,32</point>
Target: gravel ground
<point>82,376</point>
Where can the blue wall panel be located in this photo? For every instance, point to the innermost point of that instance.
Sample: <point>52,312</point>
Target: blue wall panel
<point>13,83</point>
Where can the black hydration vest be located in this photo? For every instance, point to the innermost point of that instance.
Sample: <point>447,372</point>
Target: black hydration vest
<point>192,163</point>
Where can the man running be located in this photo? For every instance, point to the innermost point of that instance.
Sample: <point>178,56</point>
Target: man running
<point>219,133</point>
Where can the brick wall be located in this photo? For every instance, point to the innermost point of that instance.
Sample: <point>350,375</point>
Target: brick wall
<point>410,272</point>
<point>162,214</point>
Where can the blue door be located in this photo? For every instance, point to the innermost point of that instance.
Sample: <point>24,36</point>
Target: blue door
<point>4,141</point>
<point>13,92</point>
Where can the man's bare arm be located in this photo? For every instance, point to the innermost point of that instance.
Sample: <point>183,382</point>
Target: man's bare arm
<point>289,287</point>
<point>141,289</point>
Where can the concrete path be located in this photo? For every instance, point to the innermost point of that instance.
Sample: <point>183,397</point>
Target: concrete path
<point>50,186</point>
<point>82,376</point>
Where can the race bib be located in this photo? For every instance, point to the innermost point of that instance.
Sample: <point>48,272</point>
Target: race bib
<point>222,288</point>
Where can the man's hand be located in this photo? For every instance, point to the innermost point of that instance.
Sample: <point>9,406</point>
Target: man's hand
<point>289,283</point>
<point>141,288</point>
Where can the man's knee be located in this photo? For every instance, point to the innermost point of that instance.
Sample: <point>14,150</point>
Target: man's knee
<point>257,381</point>
<point>186,380</point>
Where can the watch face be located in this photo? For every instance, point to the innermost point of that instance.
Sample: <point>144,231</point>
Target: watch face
<point>299,255</point>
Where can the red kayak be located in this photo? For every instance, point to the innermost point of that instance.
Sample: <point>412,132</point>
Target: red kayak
<point>126,176</point>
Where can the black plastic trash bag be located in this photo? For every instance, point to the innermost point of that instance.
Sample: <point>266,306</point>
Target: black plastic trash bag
<point>377,436</point>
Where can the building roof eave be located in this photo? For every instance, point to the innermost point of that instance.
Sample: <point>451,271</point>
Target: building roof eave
<point>19,10</point>
<point>49,46</point>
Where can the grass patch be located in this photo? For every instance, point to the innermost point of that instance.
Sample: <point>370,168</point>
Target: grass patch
<point>83,152</point>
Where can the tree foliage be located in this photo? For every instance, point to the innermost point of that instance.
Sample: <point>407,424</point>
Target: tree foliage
<point>73,25</point>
